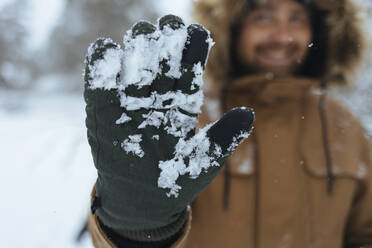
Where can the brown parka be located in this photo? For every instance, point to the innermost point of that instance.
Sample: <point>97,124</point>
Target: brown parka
<point>304,177</point>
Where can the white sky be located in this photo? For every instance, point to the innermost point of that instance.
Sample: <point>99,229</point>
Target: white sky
<point>176,7</point>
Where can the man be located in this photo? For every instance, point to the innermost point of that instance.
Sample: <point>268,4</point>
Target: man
<point>303,177</point>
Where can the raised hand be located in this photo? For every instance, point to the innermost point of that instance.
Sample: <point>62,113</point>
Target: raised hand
<point>142,107</point>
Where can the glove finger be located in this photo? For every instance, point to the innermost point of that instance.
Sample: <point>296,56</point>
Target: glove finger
<point>231,129</point>
<point>140,28</point>
<point>143,28</point>
<point>97,49</point>
<point>163,84</point>
<point>172,21</point>
<point>96,52</point>
<point>197,45</point>
<point>195,51</point>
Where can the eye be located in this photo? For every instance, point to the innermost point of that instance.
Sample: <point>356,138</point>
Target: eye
<point>263,17</point>
<point>299,18</point>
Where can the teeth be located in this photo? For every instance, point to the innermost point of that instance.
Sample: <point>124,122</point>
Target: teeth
<point>276,54</point>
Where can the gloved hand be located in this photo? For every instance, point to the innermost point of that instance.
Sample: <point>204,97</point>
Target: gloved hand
<point>142,106</point>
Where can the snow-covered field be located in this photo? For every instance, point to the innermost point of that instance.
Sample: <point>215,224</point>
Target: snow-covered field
<point>46,170</point>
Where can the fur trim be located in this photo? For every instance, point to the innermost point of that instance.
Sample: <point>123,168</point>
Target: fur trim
<point>347,43</point>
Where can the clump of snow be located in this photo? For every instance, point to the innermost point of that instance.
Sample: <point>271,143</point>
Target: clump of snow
<point>94,46</point>
<point>201,155</point>
<point>210,42</point>
<point>131,103</point>
<point>123,119</point>
<point>237,140</point>
<point>196,149</point>
<point>175,122</point>
<point>190,103</point>
<point>154,118</point>
<point>132,145</point>
<point>175,43</point>
<point>104,71</point>
<point>180,124</point>
<point>143,53</point>
<point>139,61</point>
<point>198,80</point>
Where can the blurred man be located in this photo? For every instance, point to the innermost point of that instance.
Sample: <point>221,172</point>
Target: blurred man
<point>303,178</point>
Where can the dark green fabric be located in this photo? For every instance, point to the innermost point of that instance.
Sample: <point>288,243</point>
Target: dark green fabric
<point>122,241</point>
<point>156,234</point>
<point>127,184</point>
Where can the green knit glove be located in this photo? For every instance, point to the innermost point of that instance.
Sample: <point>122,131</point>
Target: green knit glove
<point>142,106</point>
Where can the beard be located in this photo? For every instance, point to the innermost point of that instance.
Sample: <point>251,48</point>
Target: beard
<point>275,58</point>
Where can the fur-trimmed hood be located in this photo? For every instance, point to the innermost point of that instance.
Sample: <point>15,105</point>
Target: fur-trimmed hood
<point>346,44</point>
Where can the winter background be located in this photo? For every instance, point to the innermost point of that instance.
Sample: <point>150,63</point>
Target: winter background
<point>47,170</point>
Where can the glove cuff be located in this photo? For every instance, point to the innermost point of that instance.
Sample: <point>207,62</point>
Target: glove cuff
<point>156,234</point>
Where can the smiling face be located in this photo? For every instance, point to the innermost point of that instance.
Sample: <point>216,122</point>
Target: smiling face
<point>275,38</point>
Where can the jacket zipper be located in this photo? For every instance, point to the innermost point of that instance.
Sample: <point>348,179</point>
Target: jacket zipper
<point>257,197</point>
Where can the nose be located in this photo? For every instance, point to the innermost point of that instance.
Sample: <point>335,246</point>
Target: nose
<point>281,33</point>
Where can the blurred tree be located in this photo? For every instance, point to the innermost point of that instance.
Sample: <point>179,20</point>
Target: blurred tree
<point>16,66</point>
<point>84,21</point>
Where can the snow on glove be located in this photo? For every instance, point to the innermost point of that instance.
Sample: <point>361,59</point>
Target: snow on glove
<point>142,106</point>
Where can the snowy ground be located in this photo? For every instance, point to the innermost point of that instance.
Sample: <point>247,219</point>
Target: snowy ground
<point>46,170</point>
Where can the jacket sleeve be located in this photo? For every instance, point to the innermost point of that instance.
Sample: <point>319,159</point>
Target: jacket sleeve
<point>359,229</point>
<point>100,239</point>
